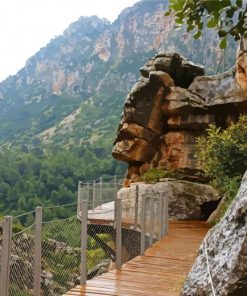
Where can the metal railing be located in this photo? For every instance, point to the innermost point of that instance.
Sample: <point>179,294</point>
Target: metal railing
<point>137,223</point>
<point>50,257</point>
<point>100,191</point>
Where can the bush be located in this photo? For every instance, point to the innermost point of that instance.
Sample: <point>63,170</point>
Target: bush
<point>223,157</point>
<point>155,174</point>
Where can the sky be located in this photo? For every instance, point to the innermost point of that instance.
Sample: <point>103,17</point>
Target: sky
<point>28,25</point>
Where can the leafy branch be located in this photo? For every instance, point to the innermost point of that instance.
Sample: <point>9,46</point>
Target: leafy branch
<point>228,17</point>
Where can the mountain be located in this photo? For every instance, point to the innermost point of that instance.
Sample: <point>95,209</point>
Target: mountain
<point>72,91</point>
<point>59,114</point>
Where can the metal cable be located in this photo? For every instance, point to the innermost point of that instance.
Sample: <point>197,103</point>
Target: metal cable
<point>21,215</point>
<point>60,206</point>
<point>59,220</point>
<point>22,231</point>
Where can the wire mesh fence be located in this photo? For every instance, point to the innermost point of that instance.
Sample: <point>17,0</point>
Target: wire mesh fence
<point>66,252</point>
<point>1,248</point>
<point>130,231</point>
<point>100,191</point>
<point>101,246</point>
<point>60,255</point>
<point>22,263</point>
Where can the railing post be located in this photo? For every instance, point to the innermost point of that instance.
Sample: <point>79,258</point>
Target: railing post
<point>118,219</point>
<point>166,209</point>
<point>142,222</point>
<point>94,194</point>
<point>115,186</point>
<point>83,267</point>
<point>6,254</point>
<point>161,212</point>
<point>88,191</point>
<point>165,214</point>
<point>136,205</point>
<point>79,193</point>
<point>151,221</point>
<point>37,250</point>
<point>100,190</point>
<point>115,181</point>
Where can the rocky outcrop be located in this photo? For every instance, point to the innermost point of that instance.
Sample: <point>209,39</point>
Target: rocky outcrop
<point>168,108</point>
<point>187,200</point>
<point>241,65</point>
<point>223,254</point>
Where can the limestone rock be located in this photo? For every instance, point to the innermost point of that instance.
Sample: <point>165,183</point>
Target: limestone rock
<point>173,101</point>
<point>190,122</point>
<point>218,89</point>
<point>179,149</point>
<point>181,70</point>
<point>187,200</point>
<point>241,65</point>
<point>180,101</point>
<point>147,68</point>
<point>136,150</point>
<point>226,245</point>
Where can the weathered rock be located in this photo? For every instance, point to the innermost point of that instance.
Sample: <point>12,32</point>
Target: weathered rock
<point>241,65</point>
<point>187,200</point>
<point>147,68</point>
<point>181,70</point>
<point>190,122</point>
<point>179,149</point>
<point>181,101</point>
<point>136,150</point>
<point>218,89</point>
<point>155,110</point>
<point>141,126</point>
<point>226,245</point>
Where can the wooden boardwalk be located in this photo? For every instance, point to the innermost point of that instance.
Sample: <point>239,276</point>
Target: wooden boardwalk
<point>161,271</point>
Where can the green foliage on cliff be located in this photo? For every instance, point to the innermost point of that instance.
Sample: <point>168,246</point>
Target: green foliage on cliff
<point>155,174</point>
<point>226,16</point>
<point>223,157</point>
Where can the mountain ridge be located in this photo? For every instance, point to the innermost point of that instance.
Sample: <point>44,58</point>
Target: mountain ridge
<point>93,58</point>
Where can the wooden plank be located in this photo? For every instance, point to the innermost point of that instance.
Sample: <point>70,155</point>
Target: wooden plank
<point>161,271</point>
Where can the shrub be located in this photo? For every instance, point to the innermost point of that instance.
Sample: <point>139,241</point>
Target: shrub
<point>155,174</point>
<point>223,157</point>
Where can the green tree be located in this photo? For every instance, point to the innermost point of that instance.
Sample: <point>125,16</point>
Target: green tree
<point>223,153</point>
<point>223,157</point>
<point>228,17</point>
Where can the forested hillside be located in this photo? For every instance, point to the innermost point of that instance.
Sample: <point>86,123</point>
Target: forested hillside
<point>48,176</point>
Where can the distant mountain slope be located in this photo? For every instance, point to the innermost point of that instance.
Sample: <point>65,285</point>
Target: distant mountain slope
<point>72,90</point>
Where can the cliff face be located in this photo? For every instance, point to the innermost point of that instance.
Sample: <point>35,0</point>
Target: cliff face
<point>92,64</point>
<point>170,105</point>
<point>223,254</point>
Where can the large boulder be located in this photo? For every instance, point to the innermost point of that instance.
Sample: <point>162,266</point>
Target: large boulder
<point>221,264</point>
<point>168,108</point>
<point>187,200</point>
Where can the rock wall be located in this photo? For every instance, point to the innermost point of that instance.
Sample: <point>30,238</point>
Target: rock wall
<point>241,65</point>
<point>169,106</point>
<point>226,246</point>
<point>187,200</point>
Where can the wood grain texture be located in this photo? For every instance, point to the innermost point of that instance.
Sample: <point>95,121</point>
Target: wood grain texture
<point>161,271</point>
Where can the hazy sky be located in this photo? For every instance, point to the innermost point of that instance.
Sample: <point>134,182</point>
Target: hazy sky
<point>27,25</point>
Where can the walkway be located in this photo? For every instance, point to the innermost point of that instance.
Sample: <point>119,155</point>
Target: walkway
<point>161,271</point>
